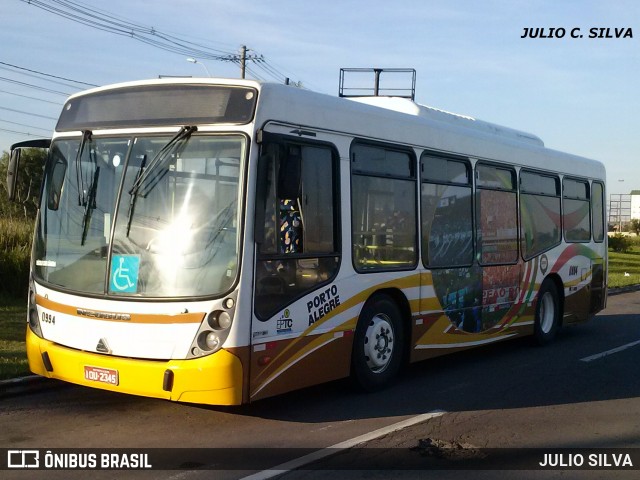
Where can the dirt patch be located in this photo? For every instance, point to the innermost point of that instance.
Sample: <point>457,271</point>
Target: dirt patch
<point>446,450</point>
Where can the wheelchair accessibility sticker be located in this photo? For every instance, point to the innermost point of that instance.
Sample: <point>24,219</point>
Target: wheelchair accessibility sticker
<point>124,273</point>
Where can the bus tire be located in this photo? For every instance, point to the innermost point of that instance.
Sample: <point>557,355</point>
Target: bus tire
<point>547,320</point>
<point>378,344</point>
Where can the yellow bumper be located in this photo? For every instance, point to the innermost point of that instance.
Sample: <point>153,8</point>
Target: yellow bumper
<point>215,379</point>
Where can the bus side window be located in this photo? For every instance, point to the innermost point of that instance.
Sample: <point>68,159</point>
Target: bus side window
<point>297,245</point>
<point>54,190</point>
<point>291,227</point>
<point>539,213</point>
<point>383,208</point>
<point>288,192</point>
<point>575,210</point>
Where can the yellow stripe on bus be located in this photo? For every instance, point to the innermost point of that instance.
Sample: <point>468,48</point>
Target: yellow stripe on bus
<point>410,281</point>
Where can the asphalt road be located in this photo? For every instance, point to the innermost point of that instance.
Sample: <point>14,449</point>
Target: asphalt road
<point>581,392</point>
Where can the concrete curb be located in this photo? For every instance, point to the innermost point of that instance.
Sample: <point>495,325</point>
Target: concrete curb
<point>30,384</point>
<point>619,290</point>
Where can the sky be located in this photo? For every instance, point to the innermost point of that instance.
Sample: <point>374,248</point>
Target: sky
<point>580,95</point>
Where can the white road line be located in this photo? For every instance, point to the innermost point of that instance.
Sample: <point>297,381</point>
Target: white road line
<point>332,450</point>
<point>610,352</point>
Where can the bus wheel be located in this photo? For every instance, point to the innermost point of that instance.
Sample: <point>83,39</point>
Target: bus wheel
<point>547,313</point>
<point>377,347</point>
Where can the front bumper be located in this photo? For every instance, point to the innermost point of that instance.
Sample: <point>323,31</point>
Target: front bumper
<point>216,379</point>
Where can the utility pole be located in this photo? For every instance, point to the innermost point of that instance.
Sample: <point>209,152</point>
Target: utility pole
<point>243,60</point>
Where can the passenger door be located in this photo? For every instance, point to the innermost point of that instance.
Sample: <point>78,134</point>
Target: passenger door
<point>297,258</point>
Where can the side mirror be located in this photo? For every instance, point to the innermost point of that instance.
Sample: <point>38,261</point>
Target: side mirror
<point>12,173</point>
<point>14,162</point>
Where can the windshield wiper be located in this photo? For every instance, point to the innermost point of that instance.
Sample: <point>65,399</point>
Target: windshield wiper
<point>86,137</point>
<point>156,168</point>
<point>134,196</point>
<point>89,202</point>
<point>159,162</point>
<point>90,205</point>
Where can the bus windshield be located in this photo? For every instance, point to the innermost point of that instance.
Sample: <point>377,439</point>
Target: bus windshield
<point>172,234</point>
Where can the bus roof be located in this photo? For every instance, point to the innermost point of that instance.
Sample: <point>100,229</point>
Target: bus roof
<point>402,121</point>
<point>396,120</point>
<point>404,105</point>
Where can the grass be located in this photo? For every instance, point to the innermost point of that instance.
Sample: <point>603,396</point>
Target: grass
<point>13,357</point>
<point>624,268</point>
<point>15,234</point>
<point>15,250</point>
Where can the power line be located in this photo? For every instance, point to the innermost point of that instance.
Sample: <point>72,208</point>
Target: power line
<point>30,85</point>
<point>254,74</point>
<point>24,125</point>
<point>126,24</point>
<point>264,65</point>
<point>49,75</point>
<point>86,15</point>
<point>287,74</point>
<point>40,78</point>
<point>102,20</point>
<point>28,134</point>
<point>31,98</point>
<point>27,113</point>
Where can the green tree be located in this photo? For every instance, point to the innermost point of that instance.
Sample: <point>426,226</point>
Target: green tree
<point>619,243</point>
<point>634,225</point>
<point>28,187</point>
<point>17,220</point>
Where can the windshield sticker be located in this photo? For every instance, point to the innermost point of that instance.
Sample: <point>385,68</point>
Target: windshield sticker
<point>124,273</point>
<point>45,263</point>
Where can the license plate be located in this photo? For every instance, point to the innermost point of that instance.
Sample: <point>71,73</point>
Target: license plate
<point>102,375</point>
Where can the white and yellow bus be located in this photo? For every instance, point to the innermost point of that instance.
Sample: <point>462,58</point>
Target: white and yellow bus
<point>221,241</point>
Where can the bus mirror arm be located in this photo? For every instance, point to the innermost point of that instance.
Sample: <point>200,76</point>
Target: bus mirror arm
<point>13,167</point>
<point>12,173</point>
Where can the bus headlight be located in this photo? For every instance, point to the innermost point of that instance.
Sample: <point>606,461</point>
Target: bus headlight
<point>212,341</point>
<point>214,329</point>
<point>208,341</point>
<point>219,320</point>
